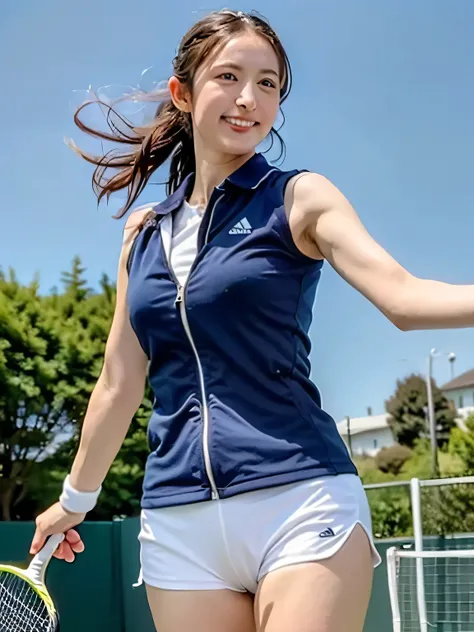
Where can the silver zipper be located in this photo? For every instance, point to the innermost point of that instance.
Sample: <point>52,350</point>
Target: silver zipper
<point>181,302</point>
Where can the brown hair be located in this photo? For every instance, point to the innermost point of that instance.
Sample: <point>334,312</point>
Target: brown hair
<point>170,134</point>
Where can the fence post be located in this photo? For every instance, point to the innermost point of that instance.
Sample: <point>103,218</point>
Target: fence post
<point>418,533</point>
<point>117,576</point>
<point>393,588</point>
<point>349,437</point>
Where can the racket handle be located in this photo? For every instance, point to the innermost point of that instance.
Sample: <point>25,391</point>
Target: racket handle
<point>39,563</point>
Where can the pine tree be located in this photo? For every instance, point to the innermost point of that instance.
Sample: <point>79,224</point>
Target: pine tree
<point>74,281</point>
<point>51,354</point>
<point>48,366</point>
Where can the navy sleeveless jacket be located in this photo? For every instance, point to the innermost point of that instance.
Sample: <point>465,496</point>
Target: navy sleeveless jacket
<point>234,408</point>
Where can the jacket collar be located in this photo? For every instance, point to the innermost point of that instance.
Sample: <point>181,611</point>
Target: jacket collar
<point>251,173</point>
<point>249,176</point>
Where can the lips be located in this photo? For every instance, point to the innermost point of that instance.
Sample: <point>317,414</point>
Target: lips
<point>239,122</point>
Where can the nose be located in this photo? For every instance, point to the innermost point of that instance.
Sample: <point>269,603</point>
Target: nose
<point>246,98</point>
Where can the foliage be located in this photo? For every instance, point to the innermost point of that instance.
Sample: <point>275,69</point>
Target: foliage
<point>47,368</point>
<point>391,513</point>
<point>51,354</point>
<point>450,509</point>
<point>461,444</point>
<point>408,406</point>
<point>445,510</point>
<point>392,459</point>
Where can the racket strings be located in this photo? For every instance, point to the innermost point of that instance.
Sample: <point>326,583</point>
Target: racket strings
<point>21,608</point>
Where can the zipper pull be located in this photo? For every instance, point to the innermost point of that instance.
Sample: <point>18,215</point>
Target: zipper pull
<point>179,295</point>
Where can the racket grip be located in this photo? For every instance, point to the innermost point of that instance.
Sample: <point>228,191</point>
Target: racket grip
<point>50,547</point>
<point>39,563</point>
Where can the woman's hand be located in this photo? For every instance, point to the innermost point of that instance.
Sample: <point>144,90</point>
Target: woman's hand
<point>58,520</point>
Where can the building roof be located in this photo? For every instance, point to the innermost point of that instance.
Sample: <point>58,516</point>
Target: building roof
<point>464,380</point>
<point>358,425</point>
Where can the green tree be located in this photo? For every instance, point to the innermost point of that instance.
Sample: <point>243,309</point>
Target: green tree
<point>407,409</point>
<point>29,409</point>
<point>122,487</point>
<point>450,509</point>
<point>74,282</point>
<point>51,354</point>
<point>51,351</point>
<point>461,444</point>
<point>391,515</point>
<point>392,459</point>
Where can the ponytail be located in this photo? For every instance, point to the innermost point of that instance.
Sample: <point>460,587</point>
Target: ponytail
<point>169,135</point>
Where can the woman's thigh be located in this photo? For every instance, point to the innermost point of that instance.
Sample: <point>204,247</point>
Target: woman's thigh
<point>201,610</point>
<point>327,596</point>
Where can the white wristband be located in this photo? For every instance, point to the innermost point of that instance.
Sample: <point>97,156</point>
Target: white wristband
<point>75,501</point>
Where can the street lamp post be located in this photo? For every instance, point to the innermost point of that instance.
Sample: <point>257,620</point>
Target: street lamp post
<point>431,417</point>
<point>431,412</point>
<point>452,360</point>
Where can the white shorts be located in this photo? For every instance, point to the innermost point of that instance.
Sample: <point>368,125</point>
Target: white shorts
<point>232,543</point>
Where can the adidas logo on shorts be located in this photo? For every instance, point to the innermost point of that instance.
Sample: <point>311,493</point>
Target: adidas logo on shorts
<point>327,533</point>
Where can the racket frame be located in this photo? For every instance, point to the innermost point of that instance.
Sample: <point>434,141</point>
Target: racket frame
<point>34,575</point>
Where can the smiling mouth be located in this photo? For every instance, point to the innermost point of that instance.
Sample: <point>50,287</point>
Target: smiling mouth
<point>240,122</point>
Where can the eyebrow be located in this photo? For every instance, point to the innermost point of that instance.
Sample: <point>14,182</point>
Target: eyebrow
<point>263,71</point>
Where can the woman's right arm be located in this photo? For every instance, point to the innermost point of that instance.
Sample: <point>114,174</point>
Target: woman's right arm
<point>118,393</point>
<point>116,397</point>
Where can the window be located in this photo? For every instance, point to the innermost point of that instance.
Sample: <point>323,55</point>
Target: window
<point>461,401</point>
<point>375,444</point>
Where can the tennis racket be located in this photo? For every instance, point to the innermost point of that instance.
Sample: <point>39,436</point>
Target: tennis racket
<point>25,604</point>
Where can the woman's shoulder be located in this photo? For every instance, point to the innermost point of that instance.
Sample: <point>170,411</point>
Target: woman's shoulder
<point>309,191</point>
<point>137,219</point>
<point>306,195</point>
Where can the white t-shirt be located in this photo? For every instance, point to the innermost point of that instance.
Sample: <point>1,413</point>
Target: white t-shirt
<point>179,232</point>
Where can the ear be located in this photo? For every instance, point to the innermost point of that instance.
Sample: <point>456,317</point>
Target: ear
<point>180,94</point>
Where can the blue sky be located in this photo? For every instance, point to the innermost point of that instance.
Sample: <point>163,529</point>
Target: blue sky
<point>382,105</point>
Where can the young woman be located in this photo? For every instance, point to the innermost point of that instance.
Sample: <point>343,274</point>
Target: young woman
<point>253,516</point>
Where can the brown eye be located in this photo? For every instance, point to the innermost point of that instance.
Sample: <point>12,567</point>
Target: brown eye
<point>228,76</point>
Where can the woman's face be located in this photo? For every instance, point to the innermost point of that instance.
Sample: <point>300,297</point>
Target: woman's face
<point>236,96</point>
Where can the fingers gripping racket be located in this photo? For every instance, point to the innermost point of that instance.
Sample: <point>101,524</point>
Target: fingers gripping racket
<point>25,604</point>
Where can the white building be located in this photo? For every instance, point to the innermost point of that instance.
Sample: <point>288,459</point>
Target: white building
<point>366,435</point>
<point>460,390</point>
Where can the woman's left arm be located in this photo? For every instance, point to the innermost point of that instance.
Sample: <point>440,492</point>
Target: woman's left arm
<point>328,224</point>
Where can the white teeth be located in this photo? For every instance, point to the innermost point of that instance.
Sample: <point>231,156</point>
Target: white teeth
<point>239,122</point>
